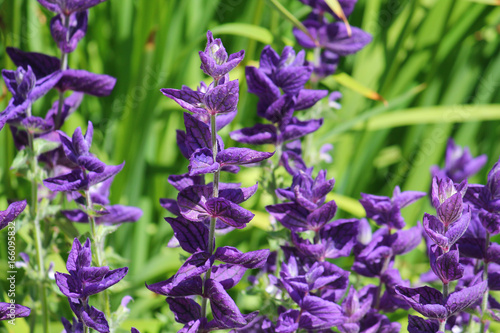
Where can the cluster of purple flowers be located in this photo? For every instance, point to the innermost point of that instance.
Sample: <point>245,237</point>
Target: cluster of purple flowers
<point>201,208</point>
<point>66,164</point>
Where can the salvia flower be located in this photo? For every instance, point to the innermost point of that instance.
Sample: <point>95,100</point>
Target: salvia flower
<point>83,281</point>
<point>387,211</point>
<point>11,213</point>
<point>432,304</point>
<point>67,37</point>
<point>459,163</point>
<point>26,88</point>
<point>215,61</point>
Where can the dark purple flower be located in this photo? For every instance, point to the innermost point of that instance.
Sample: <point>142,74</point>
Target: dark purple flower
<point>197,204</point>
<point>222,99</point>
<point>333,37</point>
<point>459,163</point>
<point>75,327</point>
<point>84,280</point>
<point>70,79</point>
<point>77,149</point>
<point>67,7</point>
<point>387,211</point>
<point>431,303</point>
<point>67,37</point>
<point>9,311</point>
<point>11,213</point>
<point>25,88</point>
<point>215,61</point>
<point>420,325</point>
<point>446,265</point>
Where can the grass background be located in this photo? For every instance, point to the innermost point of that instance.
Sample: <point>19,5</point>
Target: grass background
<point>435,62</point>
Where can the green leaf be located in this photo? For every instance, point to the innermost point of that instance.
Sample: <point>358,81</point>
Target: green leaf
<point>433,115</point>
<point>350,205</point>
<point>488,2</point>
<point>337,9</point>
<point>289,16</point>
<point>20,161</point>
<point>41,146</point>
<point>245,30</point>
<point>349,82</point>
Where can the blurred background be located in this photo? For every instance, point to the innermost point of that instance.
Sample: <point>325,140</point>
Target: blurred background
<point>436,63</point>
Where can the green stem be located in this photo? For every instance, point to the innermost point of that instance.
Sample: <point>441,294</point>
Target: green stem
<point>96,239</point>
<point>86,329</point>
<point>442,325</point>
<point>37,231</point>
<point>484,303</point>
<point>211,232</point>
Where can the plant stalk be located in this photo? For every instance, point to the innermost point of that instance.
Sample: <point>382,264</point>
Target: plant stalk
<point>98,249</point>
<point>37,230</point>
<point>484,302</point>
<point>213,131</point>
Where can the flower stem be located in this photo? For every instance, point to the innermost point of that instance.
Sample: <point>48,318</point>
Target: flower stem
<point>96,239</point>
<point>442,325</point>
<point>211,233</point>
<point>37,230</point>
<point>484,303</point>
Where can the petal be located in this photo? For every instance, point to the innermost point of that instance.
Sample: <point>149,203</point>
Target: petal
<point>256,135</point>
<point>73,181</point>
<point>184,309</point>
<point>228,212</point>
<point>338,40</point>
<point>228,275</point>
<point>86,82</point>
<point>223,98</point>
<point>12,211</point>
<point>291,215</point>
<point>41,64</point>
<point>307,98</point>
<point>321,216</point>
<point>202,162</point>
<point>192,201</point>
<point>192,237</point>
<point>223,307</point>
<point>297,129</point>
<point>238,195</point>
<point>231,255</point>
<point>187,98</point>
<point>95,319</point>
<point>464,298</point>
<point>241,156</point>
<point>109,171</point>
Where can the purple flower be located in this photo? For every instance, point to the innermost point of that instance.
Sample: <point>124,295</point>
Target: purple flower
<point>459,163</point>
<point>215,61</point>
<point>333,37</point>
<point>77,149</point>
<point>70,79</point>
<point>75,327</point>
<point>11,213</point>
<point>430,302</point>
<point>222,99</point>
<point>25,88</point>
<point>67,7</point>
<point>486,199</point>
<point>9,311</point>
<point>387,211</point>
<point>84,280</point>
<point>67,37</point>
<point>197,204</point>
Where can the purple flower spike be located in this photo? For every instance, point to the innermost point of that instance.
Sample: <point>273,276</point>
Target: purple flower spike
<point>11,213</point>
<point>9,311</point>
<point>67,38</point>
<point>387,211</point>
<point>459,163</point>
<point>67,7</point>
<point>215,61</point>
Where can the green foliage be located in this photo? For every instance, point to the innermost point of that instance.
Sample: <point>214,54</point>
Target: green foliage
<point>435,62</point>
